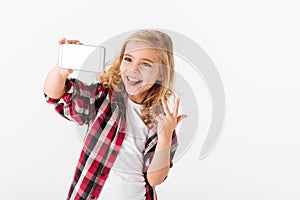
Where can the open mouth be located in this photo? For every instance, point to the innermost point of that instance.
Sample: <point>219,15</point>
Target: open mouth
<point>133,81</point>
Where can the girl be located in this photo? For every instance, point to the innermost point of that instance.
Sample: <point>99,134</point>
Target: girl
<point>131,141</point>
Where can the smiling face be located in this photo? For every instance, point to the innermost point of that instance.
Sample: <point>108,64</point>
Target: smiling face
<point>139,70</point>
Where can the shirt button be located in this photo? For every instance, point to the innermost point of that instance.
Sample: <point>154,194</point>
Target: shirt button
<point>102,173</point>
<point>92,197</point>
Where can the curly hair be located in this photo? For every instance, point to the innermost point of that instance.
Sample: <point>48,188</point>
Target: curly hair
<point>162,43</point>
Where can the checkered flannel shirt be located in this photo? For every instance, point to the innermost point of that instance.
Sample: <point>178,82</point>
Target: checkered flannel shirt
<point>104,112</point>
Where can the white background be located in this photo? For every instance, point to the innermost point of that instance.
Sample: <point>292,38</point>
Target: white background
<point>255,47</point>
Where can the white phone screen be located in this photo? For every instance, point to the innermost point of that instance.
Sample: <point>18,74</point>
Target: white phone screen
<point>82,57</point>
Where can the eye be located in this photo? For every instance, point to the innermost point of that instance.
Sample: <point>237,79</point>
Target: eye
<point>127,59</point>
<point>145,64</point>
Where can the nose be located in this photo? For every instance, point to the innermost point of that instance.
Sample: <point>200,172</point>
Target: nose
<point>135,66</point>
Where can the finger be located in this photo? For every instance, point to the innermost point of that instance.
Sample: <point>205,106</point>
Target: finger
<point>175,113</point>
<point>165,106</point>
<point>69,71</point>
<point>62,40</point>
<point>179,118</point>
<point>162,115</point>
<point>72,41</point>
<point>75,41</point>
<point>158,117</point>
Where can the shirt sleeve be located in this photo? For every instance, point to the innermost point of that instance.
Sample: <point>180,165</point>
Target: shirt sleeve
<point>149,156</point>
<point>173,148</point>
<point>81,101</point>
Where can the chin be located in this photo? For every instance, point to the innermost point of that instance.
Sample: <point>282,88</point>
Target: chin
<point>131,91</point>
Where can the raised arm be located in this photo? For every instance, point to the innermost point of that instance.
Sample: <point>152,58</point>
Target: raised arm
<point>72,98</point>
<point>54,85</point>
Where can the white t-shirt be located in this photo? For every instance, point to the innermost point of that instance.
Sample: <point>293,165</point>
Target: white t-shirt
<point>125,180</point>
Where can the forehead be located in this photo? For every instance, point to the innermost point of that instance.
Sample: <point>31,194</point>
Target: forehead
<point>142,50</point>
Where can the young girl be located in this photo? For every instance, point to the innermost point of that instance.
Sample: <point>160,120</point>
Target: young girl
<point>130,142</point>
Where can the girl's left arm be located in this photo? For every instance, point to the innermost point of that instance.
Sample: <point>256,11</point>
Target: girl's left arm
<point>159,167</point>
<point>160,164</point>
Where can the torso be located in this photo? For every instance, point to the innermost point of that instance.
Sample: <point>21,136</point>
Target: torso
<point>126,180</point>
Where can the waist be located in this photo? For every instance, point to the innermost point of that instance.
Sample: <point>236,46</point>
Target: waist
<point>123,185</point>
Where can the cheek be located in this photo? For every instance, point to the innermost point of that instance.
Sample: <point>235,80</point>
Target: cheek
<point>152,75</point>
<point>122,68</point>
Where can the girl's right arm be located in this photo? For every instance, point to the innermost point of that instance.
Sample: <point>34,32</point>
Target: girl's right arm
<point>54,85</point>
<point>72,98</point>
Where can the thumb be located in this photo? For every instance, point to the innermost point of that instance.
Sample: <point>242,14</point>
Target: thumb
<point>179,118</point>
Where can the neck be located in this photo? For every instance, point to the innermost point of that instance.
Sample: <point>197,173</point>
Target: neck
<point>137,99</point>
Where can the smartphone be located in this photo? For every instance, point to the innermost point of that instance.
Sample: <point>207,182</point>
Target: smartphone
<point>82,57</point>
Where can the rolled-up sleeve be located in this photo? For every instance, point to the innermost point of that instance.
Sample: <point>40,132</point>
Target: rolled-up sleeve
<point>173,148</point>
<point>80,102</point>
<point>149,155</point>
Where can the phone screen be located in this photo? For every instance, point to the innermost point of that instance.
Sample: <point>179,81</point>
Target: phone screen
<point>82,57</point>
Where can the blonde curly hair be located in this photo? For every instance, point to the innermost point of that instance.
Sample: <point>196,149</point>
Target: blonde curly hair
<point>162,43</point>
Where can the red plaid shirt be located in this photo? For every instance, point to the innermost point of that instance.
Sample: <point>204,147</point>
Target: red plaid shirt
<point>104,112</point>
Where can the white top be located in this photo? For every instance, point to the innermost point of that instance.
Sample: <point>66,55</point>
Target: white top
<point>125,180</point>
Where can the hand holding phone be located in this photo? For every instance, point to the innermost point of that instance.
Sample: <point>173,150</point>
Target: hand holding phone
<point>66,71</point>
<point>77,56</point>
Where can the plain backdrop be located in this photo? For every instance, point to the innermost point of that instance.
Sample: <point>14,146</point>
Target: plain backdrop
<point>255,47</point>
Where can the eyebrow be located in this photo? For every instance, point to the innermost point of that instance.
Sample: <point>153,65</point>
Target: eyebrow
<point>127,54</point>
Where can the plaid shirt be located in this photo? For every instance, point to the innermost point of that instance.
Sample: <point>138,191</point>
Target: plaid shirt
<point>104,112</point>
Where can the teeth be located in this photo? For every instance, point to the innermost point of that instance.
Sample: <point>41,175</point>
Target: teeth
<point>132,79</point>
